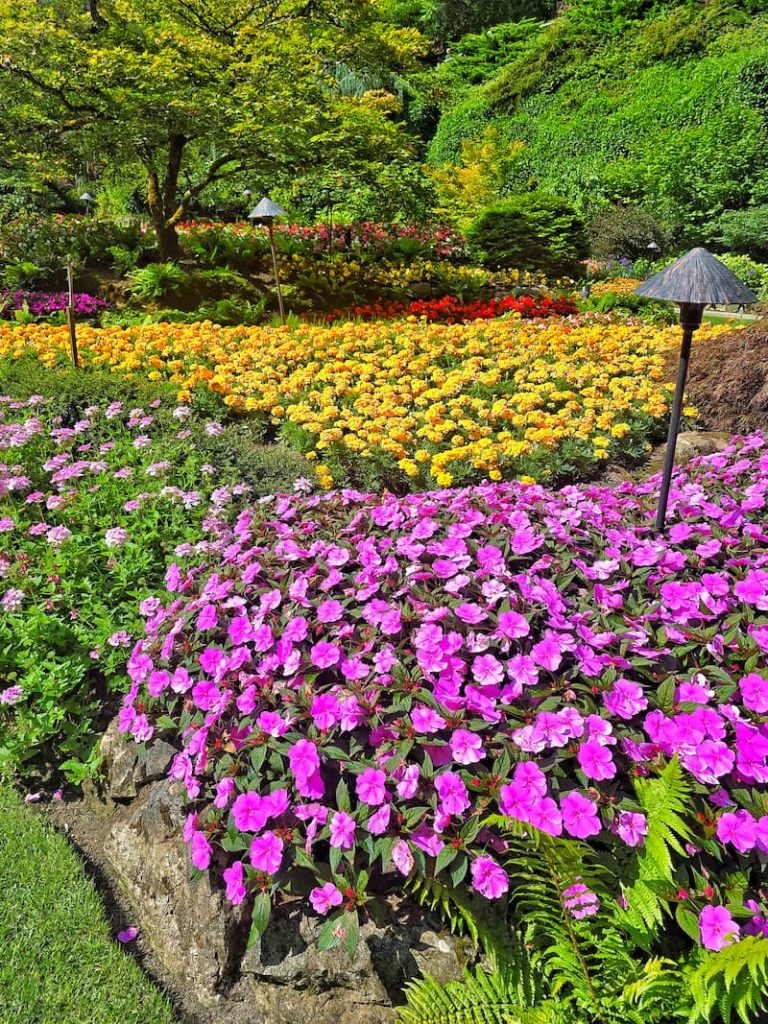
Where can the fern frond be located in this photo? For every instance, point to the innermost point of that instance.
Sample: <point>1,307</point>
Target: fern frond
<point>480,998</point>
<point>735,980</point>
<point>664,801</point>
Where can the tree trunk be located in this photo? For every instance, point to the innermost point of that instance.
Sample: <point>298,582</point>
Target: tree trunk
<point>167,243</point>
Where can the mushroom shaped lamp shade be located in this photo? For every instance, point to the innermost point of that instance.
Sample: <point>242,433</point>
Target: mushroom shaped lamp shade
<point>697,279</point>
<point>266,210</point>
<point>86,197</point>
<point>694,281</point>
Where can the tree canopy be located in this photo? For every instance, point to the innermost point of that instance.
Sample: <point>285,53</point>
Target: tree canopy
<point>193,91</point>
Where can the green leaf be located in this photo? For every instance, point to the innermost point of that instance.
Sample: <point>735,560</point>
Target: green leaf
<point>446,856</point>
<point>262,910</point>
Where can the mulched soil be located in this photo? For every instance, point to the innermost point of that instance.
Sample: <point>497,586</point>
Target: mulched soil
<point>728,379</point>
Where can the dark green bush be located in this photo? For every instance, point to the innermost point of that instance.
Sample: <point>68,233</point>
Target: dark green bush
<point>625,231</point>
<point>745,231</point>
<point>240,452</point>
<point>533,231</point>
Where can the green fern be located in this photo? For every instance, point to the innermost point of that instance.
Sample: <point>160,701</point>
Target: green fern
<point>480,998</point>
<point>466,914</point>
<point>664,801</point>
<point>732,982</point>
<point>660,991</point>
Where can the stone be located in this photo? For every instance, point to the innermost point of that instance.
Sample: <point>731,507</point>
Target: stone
<point>155,765</point>
<point>690,445</point>
<point>119,760</point>
<point>196,942</point>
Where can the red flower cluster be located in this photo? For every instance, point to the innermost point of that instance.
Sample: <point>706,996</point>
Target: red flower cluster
<point>451,310</point>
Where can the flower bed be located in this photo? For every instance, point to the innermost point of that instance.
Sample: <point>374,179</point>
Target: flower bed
<point>369,689</point>
<point>409,405</point>
<point>451,310</point>
<point>45,304</point>
<point>87,515</point>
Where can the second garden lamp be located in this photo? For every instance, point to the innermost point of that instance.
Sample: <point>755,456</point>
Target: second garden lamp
<point>694,281</point>
<point>265,213</point>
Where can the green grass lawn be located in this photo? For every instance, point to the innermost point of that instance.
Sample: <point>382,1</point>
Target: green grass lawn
<point>59,961</point>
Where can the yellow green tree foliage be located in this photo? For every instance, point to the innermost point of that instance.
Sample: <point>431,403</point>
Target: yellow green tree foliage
<point>193,91</point>
<point>465,189</point>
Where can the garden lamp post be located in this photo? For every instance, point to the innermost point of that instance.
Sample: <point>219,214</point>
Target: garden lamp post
<point>265,213</point>
<point>88,199</point>
<point>70,268</point>
<point>694,281</point>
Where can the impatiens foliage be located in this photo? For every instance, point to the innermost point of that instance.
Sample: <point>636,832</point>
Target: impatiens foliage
<point>367,689</point>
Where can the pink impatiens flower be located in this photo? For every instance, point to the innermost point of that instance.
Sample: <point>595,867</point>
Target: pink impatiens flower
<point>717,928</point>
<point>266,852</point>
<point>489,878</point>
<point>201,851</point>
<point>754,692</point>
<point>402,857</point>
<point>234,880</point>
<point>342,831</point>
<point>580,816</point>
<point>625,700</point>
<point>452,792</point>
<point>248,813</point>
<point>466,747</point>
<point>595,760</point>
<point>370,786</point>
<point>324,897</point>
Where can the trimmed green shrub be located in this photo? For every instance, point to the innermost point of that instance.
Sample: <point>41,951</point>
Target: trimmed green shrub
<point>625,231</point>
<point>532,231</point>
<point>745,231</point>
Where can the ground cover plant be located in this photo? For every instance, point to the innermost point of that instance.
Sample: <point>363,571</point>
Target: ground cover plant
<point>501,690</point>
<point>94,501</point>
<point>408,405</point>
<point>47,903</point>
<point>452,310</point>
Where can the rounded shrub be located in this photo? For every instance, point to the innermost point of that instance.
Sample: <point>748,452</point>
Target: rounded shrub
<point>532,231</point>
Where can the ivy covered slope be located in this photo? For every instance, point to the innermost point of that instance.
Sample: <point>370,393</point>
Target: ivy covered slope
<point>660,103</point>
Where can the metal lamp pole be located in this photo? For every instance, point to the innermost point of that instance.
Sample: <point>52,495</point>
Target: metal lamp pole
<point>690,321</point>
<point>71,313</point>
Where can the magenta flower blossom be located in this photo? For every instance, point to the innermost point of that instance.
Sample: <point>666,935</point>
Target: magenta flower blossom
<point>580,901</point>
<point>116,537</point>
<point>580,817</point>
<point>201,851</point>
<point>426,720</point>
<point>489,878</point>
<point>248,813</point>
<point>370,786</point>
<point>595,761</point>
<point>452,792</point>
<point>625,700</point>
<point>342,831</point>
<point>325,655</point>
<point>737,829</point>
<point>754,692</point>
<point>127,935</point>
<point>717,928</point>
<point>304,760</point>
<point>266,852</point>
<point>323,898</point>
<point>402,857</point>
<point>11,694</point>
<point>631,827</point>
<point>466,747</point>
<point>378,823</point>
<point>235,883</point>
